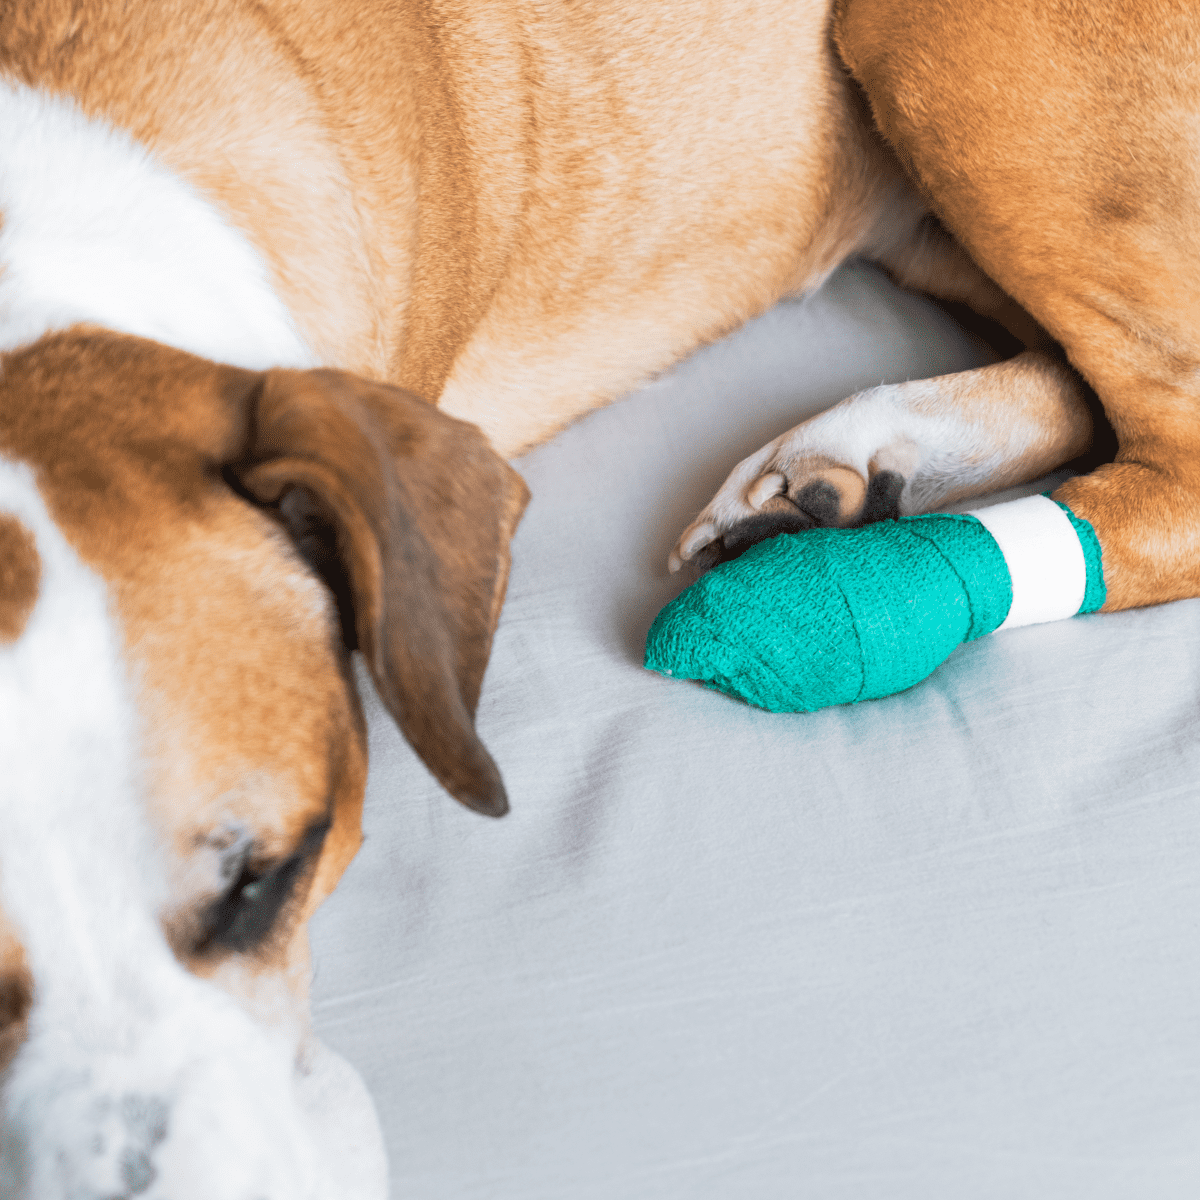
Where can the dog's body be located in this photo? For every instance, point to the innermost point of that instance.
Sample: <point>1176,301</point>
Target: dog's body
<point>521,211</point>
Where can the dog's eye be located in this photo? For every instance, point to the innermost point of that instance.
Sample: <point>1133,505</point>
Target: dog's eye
<point>242,919</point>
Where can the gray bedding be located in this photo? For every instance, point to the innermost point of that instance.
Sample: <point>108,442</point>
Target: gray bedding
<point>943,945</point>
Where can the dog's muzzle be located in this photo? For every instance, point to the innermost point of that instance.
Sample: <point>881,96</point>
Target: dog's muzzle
<point>182,1096</point>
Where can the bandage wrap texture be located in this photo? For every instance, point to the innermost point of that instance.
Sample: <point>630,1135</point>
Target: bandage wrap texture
<point>834,616</point>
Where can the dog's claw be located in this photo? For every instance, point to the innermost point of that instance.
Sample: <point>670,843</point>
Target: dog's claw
<point>756,503</point>
<point>766,487</point>
<point>693,540</point>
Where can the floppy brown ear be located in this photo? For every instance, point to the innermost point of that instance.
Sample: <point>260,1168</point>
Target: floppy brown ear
<point>421,511</point>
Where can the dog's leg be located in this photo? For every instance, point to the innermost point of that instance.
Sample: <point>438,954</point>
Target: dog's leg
<point>898,449</point>
<point>925,257</point>
<point>1059,145</point>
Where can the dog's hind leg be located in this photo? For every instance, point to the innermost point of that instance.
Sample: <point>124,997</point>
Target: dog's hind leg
<point>898,449</point>
<point>1058,144</point>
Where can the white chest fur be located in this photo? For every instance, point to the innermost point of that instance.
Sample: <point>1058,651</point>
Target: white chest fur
<point>92,229</point>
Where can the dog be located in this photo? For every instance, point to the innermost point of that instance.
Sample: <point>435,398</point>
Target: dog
<point>282,287</point>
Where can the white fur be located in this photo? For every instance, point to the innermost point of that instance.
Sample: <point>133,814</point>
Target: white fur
<point>1044,557</point>
<point>92,229</point>
<point>894,427</point>
<point>134,1071</point>
<point>899,427</point>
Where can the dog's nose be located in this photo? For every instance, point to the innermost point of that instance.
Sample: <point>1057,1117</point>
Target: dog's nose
<point>199,1103</point>
<point>126,1133</point>
<point>115,1137</point>
<point>139,1145</point>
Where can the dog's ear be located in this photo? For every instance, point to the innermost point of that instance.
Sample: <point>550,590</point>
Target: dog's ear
<point>408,514</point>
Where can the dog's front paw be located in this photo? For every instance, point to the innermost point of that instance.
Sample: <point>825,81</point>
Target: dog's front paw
<point>778,490</point>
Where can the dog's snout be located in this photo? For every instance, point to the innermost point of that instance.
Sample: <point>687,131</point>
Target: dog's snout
<point>126,1132</point>
<point>146,1120</point>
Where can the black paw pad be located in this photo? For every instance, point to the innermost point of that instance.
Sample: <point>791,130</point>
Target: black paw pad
<point>736,541</point>
<point>883,497</point>
<point>820,501</point>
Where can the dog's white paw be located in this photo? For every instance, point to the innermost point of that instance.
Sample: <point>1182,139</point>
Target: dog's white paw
<point>784,488</point>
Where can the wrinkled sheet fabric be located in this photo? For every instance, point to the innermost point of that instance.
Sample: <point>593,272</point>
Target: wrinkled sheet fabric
<point>938,946</point>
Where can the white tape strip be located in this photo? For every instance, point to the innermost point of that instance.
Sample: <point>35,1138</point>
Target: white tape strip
<point>1045,559</point>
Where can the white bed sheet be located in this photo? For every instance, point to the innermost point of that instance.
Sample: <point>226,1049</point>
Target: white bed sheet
<point>942,945</point>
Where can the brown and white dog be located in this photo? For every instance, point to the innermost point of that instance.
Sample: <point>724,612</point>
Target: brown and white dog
<point>239,238</point>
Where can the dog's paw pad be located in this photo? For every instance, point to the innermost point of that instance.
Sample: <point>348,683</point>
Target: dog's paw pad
<point>882,502</point>
<point>814,496</point>
<point>749,532</point>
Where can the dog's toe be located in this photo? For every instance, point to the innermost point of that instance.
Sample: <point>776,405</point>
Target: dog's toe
<point>735,541</point>
<point>882,501</point>
<point>778,490</point>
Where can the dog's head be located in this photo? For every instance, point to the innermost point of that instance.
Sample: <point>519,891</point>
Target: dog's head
<point>188,554</point>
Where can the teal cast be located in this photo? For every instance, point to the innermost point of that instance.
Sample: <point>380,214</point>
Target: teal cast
<point>834,616</point>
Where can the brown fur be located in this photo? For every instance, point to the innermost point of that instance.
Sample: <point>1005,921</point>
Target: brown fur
<point>16,993</point>
<point>1058,144</point>
<point>20,574</point>
<point>523,210</point>
<point>237,651</point>
<point>504,200</point>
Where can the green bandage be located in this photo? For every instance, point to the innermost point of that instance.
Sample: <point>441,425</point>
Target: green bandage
<point>834,616</point>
